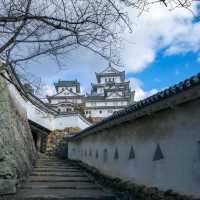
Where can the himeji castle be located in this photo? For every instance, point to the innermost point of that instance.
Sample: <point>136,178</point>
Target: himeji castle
<point>110,93</point>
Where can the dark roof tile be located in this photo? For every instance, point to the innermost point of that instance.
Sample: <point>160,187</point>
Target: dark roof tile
<point>171,91</point>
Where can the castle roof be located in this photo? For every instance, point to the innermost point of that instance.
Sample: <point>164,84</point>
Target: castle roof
<point>110,71</point>
<point>67,84</point>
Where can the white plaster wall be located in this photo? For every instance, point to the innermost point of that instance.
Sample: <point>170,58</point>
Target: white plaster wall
<point>102,80</point>
<point>60,89</point>
<point>55,101</point>
<point>177,131</point>
<point>71,120</point>
<point>46,119</point>
<point>100,90</point>
<point>104,112</point>
<point>106,103</point>
<point>19,101</point>
<point>56,122</point>
<point>117,79</point>
<point>73,100</point>
<point>78,101</point>
<point>72,88</point>
<point>37,115</point>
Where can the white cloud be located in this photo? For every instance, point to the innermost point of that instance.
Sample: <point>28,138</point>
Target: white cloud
<point>46,89</point>
<point>155,29</point>
<point>140,93</point>
<point>49,90</point>
<point>160,28</point>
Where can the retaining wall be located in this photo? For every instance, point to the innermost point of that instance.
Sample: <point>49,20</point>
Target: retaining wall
<point>17,151</point>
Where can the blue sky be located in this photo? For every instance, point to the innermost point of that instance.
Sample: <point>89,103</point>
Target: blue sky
<point>163,49</point>
<point>166,71</point>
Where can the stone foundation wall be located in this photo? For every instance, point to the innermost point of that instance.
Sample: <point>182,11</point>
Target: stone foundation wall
<point>57,141</point>
<point>17,150</point>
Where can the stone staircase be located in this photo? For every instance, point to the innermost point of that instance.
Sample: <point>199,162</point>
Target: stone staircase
<point>55,179</point>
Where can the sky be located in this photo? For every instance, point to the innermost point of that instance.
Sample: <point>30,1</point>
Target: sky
<point>162,50</point>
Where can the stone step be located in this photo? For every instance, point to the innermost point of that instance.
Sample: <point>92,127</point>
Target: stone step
<point>57,167</point>
<point>55,170</point>
<point>51,163</point>
<point>36,194</point>
<point>59,181</point>
<point>58,178</point>
<point>54,164</point>
<point>54,179</point>
<point>57,173</point>
<point>87,185</point>
<point>60,174</point>
<point>60,161</point>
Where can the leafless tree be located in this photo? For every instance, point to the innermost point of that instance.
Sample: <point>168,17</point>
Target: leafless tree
<point>31,28</point>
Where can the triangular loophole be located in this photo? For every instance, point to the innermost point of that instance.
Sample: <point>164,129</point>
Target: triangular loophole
<point>158,155</point>
<point>90,153</point>
<point>97,154</point>
<point>105,155</point>
<point>116,155</point>
<point>131,153</point>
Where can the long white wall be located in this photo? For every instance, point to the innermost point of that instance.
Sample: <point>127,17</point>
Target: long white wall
<point>46,119</point>
<point>70,120</point>
<point>160,149</point>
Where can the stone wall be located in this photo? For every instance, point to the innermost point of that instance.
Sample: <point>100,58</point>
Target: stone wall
<point>57,141</point>
<point>17,151</point>
<point>156,146</point>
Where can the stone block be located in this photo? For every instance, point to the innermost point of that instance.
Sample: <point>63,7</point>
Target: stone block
<point>7,186</point>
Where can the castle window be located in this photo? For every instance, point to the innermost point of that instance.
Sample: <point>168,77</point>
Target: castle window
<point>100,111</point>
<point>105,79</point>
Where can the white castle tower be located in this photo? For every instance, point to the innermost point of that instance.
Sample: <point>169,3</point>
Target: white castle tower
<point>111,93</point>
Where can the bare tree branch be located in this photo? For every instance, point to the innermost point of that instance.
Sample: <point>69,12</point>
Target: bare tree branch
<point>33,28</point>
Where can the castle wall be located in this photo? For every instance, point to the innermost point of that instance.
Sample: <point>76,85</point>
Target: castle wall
<point>17,150</point>
<point>159,147</point>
